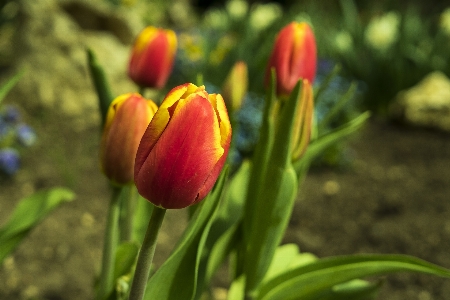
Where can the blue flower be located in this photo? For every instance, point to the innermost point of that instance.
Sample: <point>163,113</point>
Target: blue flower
<point>11,114</point>
<point>9,161</point>
<point>25,135</point>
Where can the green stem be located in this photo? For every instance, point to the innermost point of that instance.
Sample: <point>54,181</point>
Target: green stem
<point>142,90</point>
<point>145,258</point>
<point>129,208</point>
<point>110,245</point>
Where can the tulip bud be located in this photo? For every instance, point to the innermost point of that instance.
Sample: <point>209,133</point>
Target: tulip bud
<point>152,57</point>
<point>184,148</point>
<point>127,118</point>
<point>235,86</point>
<point>293,57</point>
<point>303,121</point>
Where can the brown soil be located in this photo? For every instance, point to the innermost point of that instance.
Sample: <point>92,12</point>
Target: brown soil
<point>393,199</point>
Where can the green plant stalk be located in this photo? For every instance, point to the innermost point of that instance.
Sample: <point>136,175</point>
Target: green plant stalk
<point>129,207</point>
<point>110,245</point>
<point>145,257</point>
<point>142,90</point>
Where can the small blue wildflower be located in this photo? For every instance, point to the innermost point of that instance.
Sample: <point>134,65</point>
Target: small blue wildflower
<point>6,131</point>
<point>9,161</point>
<point>25,135</point>
<point>11,114</point>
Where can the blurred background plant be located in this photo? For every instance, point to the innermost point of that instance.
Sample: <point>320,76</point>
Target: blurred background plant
<point>390,46</point>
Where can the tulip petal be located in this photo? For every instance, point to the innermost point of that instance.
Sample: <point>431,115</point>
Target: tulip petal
<point>121,137</point>
<point>162,118</point>
<point>152,57</point>
<point>180,163</point>
<point>222,114</point>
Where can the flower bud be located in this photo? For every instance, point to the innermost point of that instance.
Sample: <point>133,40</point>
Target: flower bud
<point>152,57</point>
<point>294,57</point>
<point>127,118</point>
<point>236,86</point>
<point>184,148</point>
<point>301,133</point>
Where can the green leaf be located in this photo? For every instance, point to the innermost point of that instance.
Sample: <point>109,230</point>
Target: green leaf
<point>270,220</point>
<point>101,84</point>
<point>326,83</point>
<point>5,88</point>
<point>271,196</point>
<point>356,289</point>
<point>222,236</point>
<point>237,289</point>
<point>338,106</point>
<point>28,213</point>
<point>126,255</point>
<point>302,259</point>
<point>318,146</point>
<point>125,260</point>
<point>263,148</point>
<point>177,277</point>
<point>281,261</point>
<point>287,257</point>
<point>312,280</point>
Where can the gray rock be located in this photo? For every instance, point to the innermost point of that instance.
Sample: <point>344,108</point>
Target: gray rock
<point>427,104</point>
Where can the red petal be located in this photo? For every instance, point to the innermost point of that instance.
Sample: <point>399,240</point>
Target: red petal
<point>183,158</point>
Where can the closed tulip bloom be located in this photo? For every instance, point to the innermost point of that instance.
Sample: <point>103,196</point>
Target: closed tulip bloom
<point>152,57</point>
<point>236,86</point>
<point>303,121</point>
<point>294,57</point>
<point>126,121</point>
<point>184,148</point>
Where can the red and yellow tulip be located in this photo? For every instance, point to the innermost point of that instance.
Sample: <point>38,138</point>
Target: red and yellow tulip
<point>152,57</point>
<point>127,118</point>
<point>294,57</point>
<point>184,148</point>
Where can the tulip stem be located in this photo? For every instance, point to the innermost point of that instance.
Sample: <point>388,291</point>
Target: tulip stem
<point>142,90</point>
<point>128,206</point>
<point>145,258</point>
<point>110,245</point>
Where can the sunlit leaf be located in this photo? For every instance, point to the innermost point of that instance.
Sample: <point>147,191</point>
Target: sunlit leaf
<point>28,213</point>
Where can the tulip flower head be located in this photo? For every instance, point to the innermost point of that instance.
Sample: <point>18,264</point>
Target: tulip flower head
<point>152,57</point>
<point>126,121</point>
<point>236,85</point>
<point>184,148</point>
<point>294,57</point>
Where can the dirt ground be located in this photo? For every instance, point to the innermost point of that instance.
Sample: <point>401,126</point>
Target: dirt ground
<point>394,198</point>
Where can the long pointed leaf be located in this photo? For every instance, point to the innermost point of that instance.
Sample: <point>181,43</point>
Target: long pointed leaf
<point>273,199</point>
<point>308,282</point>
<point>222,236</point>
<point>356,289</point>
<point>5,88</point>
<point>101,84</point>
<point>318,146</point>
<point>28,213</point>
